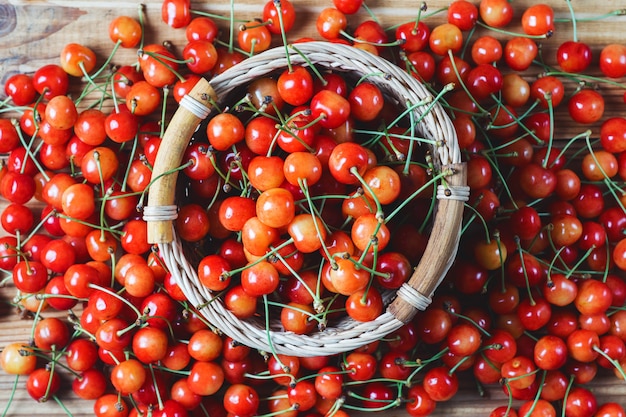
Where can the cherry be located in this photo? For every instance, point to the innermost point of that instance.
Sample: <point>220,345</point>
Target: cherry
<point>176,13</point>
<point>414,36</point>
<point>445,37</point>
<point>440,384</point>
<point>125,30</point>
<point>519,53</point>
<point>613,60</point>
<point>77,59</point>
<point>484,80</point>
<point>580,402</point>
<point>331,22</point>
<point>254,37</point>
<point>538,20</point>
<point>333,109</point>
<point>496,13</point>
<point>419,402</point>
<point>573,56</point>
<point>51,81</point>
<point>21,89</point>
<point>586,106</point>
<point>295,86</point>
<point>18,359</point>
<point>42,384</point>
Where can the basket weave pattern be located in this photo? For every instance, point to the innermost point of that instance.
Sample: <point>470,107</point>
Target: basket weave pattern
<point>347,334</point>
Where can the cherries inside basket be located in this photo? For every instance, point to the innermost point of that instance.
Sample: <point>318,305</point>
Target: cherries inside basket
<point>317,166</point>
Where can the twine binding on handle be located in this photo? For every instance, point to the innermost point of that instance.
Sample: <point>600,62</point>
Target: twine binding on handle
<point>452,192</point>
<point>160,213</point>
<point>194,106</point>
<point>415,298</point>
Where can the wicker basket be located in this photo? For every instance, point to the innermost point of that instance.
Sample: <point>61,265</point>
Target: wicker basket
<point>440,251</point>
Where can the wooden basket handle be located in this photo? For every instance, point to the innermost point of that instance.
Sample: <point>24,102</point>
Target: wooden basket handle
<point>433,266</point>
<point>194,108</point>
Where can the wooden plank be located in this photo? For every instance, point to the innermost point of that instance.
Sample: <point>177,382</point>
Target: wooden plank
<point>33,32</point>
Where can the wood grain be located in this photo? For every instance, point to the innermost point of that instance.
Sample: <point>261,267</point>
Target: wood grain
<point>32,34</point>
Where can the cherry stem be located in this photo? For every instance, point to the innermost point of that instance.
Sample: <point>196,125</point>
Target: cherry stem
<point>169,172</point>
<point>458,364</point>
<point>116,295</point>
<point>90,80</point>
<point>463,86</point>
<point>380,215</point>
<point>317,302</point>
<point>517,120</point>
<point>268,331</point>
<point>421,15</point>
<point>315,317</point>
<point>583,78</point>
<point>63,407</point>
<point>470,320</point>
<point>293,407</point>
<point>612,361</point>
<point>38,226</point>
<point>363,41</point>
<point>232,49</point>
<point>155,383</point>
<point>389,404</point>
<point>335,407</point>
<point>46,395</point>
<point>11,396</point>
<point>466,44</point>
<point>580,261</point>
<point>520,252</point>
<point>106,63</point>
<point>93,225</point>
<point>133,151</point>
<point>272,252</point>
<point>29,151</point>
<point>513,34</point>
<point>283,34</point>
<point>430,183</point>
<point>567,391</point>
<point>574,28</point>
<point>164,59</point>
<point>302,183</point>
<point>370,12</point>
<point>538,394</point>
<point>141,17</point>
<point>611,186</point>
<point>476,214</point>
<point>504,183</point>
<point>420,364</point>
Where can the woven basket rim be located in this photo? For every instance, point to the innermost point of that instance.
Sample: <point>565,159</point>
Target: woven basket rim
<point>435,125</point>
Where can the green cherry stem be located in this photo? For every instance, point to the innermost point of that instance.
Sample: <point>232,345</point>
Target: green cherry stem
<point>106,63</point>
<point>513,34</point>
<point>520,253</point>
<point>5,412</point>
<point>430,183</point>
<point>618,12</point>
<point>283,35</point>
<point>476,214</point>
<point>387,404</point>
<point>573,20</point>
<point>567,391</point>
<point>615,363</point>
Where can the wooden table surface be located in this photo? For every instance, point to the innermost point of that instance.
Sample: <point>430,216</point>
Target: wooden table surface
<point>32,34</point>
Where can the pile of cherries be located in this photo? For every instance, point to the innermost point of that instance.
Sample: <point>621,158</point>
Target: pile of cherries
<point>305,199</point>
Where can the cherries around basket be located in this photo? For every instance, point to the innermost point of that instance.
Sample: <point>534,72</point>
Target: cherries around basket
<point>330,221</point>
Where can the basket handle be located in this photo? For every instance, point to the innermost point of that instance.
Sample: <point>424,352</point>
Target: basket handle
<point>415,294</point>
<point>161,211</point>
